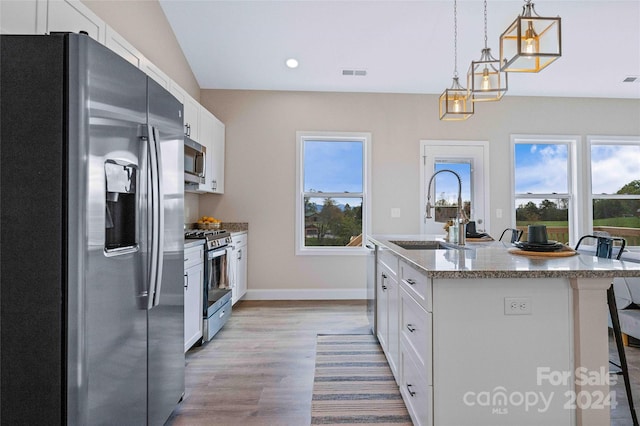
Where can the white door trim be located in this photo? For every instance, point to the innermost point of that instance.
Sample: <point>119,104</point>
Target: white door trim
<point>425,144</point>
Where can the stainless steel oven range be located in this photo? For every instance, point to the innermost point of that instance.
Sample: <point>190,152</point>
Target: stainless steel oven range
<point>217,294</point>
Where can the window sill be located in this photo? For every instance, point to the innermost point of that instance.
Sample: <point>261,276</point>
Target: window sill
<point>332,251</point>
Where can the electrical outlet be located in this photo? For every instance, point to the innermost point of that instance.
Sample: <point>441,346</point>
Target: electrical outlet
<point>395,212</point>
<point>517,306</point>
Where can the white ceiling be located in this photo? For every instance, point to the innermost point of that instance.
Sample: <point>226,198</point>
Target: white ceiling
<point>405,46</point>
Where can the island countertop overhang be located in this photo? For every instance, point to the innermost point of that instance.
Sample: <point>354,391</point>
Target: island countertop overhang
<point>493,260</point>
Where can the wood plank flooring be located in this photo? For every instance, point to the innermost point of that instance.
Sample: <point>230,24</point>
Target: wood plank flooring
<point>259,368</point>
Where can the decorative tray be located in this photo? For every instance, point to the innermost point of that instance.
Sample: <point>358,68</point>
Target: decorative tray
<point>564,251</point>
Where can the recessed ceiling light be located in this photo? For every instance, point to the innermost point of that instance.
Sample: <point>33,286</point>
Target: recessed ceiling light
<point>292,63</point>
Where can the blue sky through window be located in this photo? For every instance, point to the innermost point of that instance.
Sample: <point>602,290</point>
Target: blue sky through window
<point>541,168</point>
<point>333,166</point>
<point>446,184</point>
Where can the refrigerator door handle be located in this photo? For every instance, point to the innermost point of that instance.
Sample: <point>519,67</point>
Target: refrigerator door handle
<point>153,216</point>
<point>160,215</point>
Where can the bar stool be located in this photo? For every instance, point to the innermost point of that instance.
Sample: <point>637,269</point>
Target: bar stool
<point>604,249</point>
<point>515,234</point>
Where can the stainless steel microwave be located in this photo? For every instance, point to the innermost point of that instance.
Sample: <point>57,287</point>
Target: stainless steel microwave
<point>195,159</point>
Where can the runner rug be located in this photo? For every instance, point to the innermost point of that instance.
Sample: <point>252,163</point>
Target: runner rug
<point>353,384</point>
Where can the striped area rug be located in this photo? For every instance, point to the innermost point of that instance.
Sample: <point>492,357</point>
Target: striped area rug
<point>353,384</point>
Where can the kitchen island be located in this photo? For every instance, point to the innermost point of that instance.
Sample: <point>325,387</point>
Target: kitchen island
<point>478,335</point>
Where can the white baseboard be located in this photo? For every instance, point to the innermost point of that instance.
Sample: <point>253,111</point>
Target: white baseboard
<point>301,294</point>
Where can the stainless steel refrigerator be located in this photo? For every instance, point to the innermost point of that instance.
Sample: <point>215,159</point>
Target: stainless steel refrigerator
<point>91,201</point>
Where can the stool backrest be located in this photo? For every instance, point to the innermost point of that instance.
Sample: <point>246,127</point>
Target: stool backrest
<point>515,234</point>
<point>604,245</point>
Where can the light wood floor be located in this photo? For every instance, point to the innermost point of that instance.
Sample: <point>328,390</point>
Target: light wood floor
<point>258,370</point>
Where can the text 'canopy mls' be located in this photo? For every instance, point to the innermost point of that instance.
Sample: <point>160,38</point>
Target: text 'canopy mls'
<point>333,167</point>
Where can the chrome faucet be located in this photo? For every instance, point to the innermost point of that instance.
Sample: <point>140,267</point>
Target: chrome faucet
<point>462,218</point>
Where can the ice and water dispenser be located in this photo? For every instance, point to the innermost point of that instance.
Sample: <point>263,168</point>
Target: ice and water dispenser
<point>120,212</point>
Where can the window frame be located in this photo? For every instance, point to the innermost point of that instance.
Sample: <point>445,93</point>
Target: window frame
<point>573,177</point>
<point>589,196</point>
<point>337,137</point>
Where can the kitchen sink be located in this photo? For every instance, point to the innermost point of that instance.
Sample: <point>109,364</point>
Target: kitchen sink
<point>423,245</point>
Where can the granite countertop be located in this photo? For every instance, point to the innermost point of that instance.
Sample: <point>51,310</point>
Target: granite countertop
<point>235,227</point>
<point>492,260</point>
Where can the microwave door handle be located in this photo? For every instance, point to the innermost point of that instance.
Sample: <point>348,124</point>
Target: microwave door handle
<point>204,165</point>
<point>160,216</point>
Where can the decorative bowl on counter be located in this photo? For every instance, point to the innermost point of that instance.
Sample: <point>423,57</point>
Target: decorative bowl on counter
<point>208,222</point>
<point>209,225</point>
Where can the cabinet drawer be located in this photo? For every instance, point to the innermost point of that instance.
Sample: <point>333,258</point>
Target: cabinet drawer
<point>416,392</point>
<point>416,332</point>
<point>193,256</point>
<point>386,257</point>
<point>416,283</point>
<point>239,240</point>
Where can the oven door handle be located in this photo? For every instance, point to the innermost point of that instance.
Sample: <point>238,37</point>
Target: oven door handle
<point>212,254</point>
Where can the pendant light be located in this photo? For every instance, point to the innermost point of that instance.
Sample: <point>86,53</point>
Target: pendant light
<point>485,81</point>
<point>455,102</point>
<point>531,42</point>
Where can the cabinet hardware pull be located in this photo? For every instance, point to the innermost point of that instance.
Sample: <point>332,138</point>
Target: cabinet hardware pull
<point>411,328</point>
<point>410,281</point>
<point>186,282</point>
<point>384,287</point>
<point>411,393</point>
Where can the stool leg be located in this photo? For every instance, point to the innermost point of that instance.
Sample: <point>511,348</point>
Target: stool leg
<point>613,310</point>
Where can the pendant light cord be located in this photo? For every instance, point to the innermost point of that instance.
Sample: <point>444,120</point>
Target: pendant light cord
<point>455,38</point>
<point>485,24</point>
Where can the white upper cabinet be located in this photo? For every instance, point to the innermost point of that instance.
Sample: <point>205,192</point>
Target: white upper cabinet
<point>217,156</point>
<point>191,111</point>
<point>212,136</point>
<point>23,16</point>
<point>122,47</point>
<point>155,73</point>
<point>73,16</point>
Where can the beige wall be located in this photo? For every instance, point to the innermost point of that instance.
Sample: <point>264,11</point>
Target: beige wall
<point>260,163</point>
<point>143,24</point>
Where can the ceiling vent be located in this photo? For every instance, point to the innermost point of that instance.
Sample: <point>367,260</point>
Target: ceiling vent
<point>357,73</point>
<point>631,79</point>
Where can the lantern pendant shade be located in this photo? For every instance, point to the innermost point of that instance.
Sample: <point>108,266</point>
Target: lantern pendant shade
<point>530,43</point>
<point>455,103</point>
<point>485,81</point>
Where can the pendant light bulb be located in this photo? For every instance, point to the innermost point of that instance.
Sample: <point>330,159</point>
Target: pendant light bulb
<point>530,40</point>
<point>486,82</point>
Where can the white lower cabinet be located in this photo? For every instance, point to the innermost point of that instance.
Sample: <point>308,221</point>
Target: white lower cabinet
<point>193,293</point>
<point>387,314</point>
<point>415,389</point>
<point>237,265</point>
<point>404,330</point>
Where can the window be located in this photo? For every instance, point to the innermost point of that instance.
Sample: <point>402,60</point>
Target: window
<point>615,187</point>
<point>543,184</point>
<point>332,207</point>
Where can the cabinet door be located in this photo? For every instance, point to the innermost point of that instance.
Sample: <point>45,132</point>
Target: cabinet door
<point>192,118</point>
<point>23,16</point>
<point>241,279</point>
<point>73,16</point>
<point>193,281</point>
<point>393,339</point>
<point>155,73</point>
<point>217,156</point>
<point>382,306</point>
<point>122,47</point>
